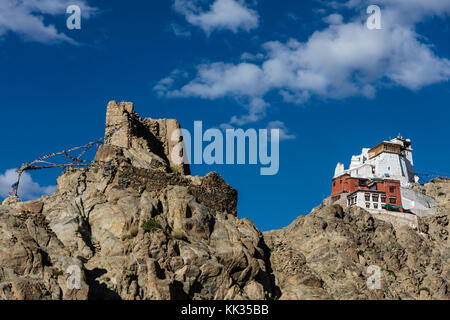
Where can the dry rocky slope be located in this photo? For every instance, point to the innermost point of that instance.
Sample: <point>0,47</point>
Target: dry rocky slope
<point>140,227</point>
<point>326,254</point>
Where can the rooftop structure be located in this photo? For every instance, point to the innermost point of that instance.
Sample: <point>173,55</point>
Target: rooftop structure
<point>380,179</point>
<point>389,159</point>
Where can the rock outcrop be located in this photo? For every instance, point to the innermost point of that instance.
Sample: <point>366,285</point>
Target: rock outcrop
<point>138,226</point>
<point>330,251</point>
<point>148,139</point>
<point>134,227</point>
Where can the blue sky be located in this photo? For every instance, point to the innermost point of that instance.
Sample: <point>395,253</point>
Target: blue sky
<point>310,67</point>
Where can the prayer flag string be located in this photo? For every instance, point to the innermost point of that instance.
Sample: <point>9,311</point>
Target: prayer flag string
<point>76,161</point>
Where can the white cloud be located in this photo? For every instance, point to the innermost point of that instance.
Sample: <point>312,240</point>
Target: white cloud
<point>231,15</point>
<point>246,56</point>
<point>292,16</point>
<point>218,80</point>
<point>334,18</point>
<point>26,18</point>
<point>340,61</point>
<point>410,10</point>
<point>28,189</point>
<point>256,110</point>
<point>163,86</point>
<point>178,30</point>
<point>284,131</point>
<point>401,11</point>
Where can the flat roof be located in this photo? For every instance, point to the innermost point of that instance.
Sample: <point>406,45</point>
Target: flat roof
<point>384,143</point>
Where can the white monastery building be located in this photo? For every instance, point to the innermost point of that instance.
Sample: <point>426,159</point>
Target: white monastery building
<point>389,159</point>
<point>381,179</point>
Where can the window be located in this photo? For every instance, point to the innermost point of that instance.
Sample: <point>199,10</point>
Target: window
<point>375,197</point>
<point>367,196</point>
<point>334,183</point>
<point>350,201</point>
<point>393,200</point>
<point>392,189</point>
<point>367,205</point>
<point>383,199</point>
<point>375,205</point>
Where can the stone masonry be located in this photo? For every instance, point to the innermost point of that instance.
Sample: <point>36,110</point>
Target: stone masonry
<point>152,135</point>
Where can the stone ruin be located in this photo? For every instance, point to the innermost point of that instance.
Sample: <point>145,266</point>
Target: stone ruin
<point>146,140</point>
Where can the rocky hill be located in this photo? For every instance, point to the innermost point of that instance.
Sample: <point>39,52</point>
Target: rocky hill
<point>137,226</point>
<point>327,253</point>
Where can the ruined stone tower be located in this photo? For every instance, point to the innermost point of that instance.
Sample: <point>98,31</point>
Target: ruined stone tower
<point>136,134</point>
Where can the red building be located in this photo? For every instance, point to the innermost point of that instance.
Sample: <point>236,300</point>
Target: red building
<point>367,193</point>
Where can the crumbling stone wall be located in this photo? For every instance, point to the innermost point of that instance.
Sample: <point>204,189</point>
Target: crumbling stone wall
<point>153,135</point>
